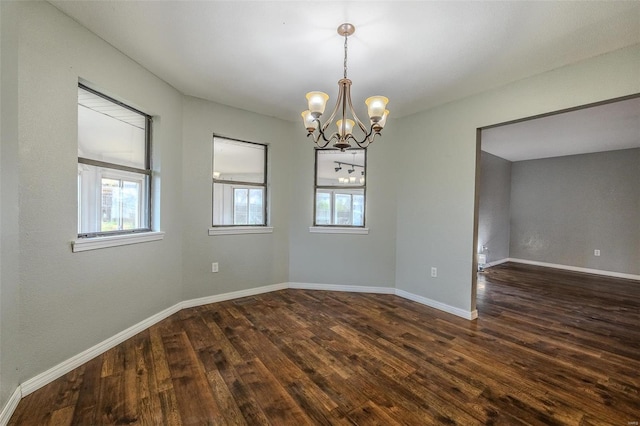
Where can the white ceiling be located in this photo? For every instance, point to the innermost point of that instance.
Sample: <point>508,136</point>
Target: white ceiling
<point>605,127</point>
<point>263,56</point>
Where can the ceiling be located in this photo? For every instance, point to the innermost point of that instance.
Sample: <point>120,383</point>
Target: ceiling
<point>607,127</point>
<point>263,56</point>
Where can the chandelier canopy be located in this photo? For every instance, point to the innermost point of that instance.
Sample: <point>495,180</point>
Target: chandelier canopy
<point>376,108</point>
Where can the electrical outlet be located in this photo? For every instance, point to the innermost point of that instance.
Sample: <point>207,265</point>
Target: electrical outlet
<point>214,267</point>
<point>434,272</point>
<point>596,252</point>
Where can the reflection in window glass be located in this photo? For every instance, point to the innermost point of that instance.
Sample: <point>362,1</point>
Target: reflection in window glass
<point>340,182</point>
<point>323,208</point>
<point>120,205</point>
<point>240,206</point>
<point>114,185</point>
<point>130,204</point>
<point>255,207</point>
<point>239,182</point>
<point>358,210</point>
<point>343,209</point>
<point>110,196</point>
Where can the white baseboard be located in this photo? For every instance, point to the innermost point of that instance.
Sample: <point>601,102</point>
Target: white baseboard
<point>347,288</point>
<point>233,295</point>
<point>576,269</point>
<point>10,406</point>
<point>388,290</point>
<point>470,315</point>
<point>495,263</point>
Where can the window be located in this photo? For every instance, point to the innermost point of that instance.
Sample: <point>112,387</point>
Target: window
<point>340,188</point>
<point>114,173</point>
<point>239,183</point>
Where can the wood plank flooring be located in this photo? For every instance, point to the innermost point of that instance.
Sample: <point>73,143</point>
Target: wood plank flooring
<point>549,348</point>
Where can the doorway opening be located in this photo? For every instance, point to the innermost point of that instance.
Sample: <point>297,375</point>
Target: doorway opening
<point>561,190</point>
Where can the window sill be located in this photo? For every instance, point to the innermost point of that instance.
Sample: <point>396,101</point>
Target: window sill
<point>84,244</point>
<point>338,230</point>
<point>238,230</point>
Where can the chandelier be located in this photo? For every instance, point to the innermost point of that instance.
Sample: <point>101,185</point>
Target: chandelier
<point>376,108</point>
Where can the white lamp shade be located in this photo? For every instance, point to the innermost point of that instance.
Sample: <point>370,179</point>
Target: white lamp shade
<point>383,120</point>
<point>376,106</point>
<point>309,121</point>
<point>348,127</point>
<point>317,102</point>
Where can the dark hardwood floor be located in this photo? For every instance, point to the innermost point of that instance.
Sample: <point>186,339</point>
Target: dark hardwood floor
<point>550,347</point>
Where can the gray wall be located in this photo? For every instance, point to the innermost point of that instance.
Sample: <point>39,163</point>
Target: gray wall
<point>9,255</point>
<point>72,301</point>
<point>494,209</point>
<point>436,195</point>
<point>245,261</point>
<point>421,194</point>
<point>366,260</point>
<point>563,208</point>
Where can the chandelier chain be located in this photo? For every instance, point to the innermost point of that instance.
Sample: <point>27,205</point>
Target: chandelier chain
<point>345,55</point>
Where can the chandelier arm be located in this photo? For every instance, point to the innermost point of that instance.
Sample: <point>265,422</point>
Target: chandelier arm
<point>353,113</point>
<point>321,133</point>
<point>367,138</point>
<point>365,142</point>
<point>363,145</point>
<point>316,139</point>
<point>335,108</point>
<point>344,111</point>
<point>321,145</point>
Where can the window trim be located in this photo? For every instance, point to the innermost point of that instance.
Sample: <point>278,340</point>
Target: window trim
<point>106,241</point>
<point>114,166</point>
<point>240,230</point>
<point>317,227</point>
<point>241,184</point>
<point>338,229</point>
